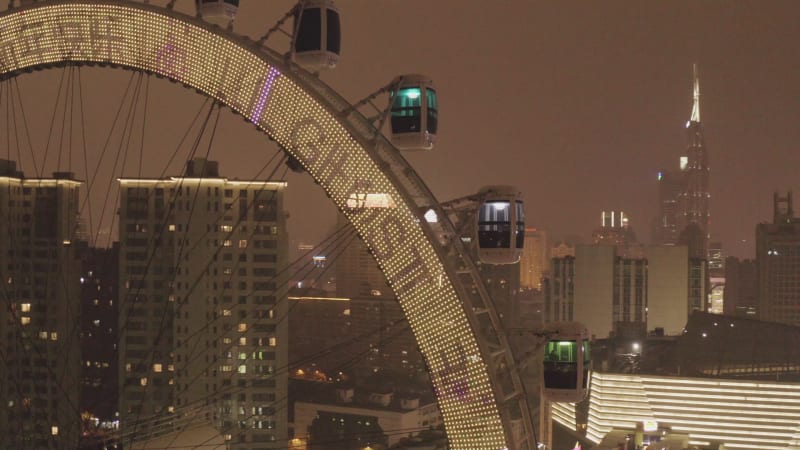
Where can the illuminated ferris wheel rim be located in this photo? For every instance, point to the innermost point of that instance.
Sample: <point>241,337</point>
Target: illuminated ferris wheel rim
<point>339,148</point>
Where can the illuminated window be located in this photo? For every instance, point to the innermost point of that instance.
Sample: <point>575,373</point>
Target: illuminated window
<point>43,335</point>
<point>227,243</point>
<point>242,341</point>
<point>242,369</point>
<point>242,327</point>
<point>226,228</point>
<point>157,367</point>
<point>226,340</point>
<point>54,430</point>
<point>171,409</point>
<point>143,381</point>
<point>53,336</point>
<point>25,320</point>
<point>226,312</point>
<point>25,307</point>
<point>273,341</point>
<point>242,355</point>
<point>226,368</point>
<point>242,243</point>
<point>172,227</point>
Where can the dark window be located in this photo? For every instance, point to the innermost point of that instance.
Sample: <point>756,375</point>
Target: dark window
<point>334,32</point>
<point>433,111</point>
<point>309,33</point>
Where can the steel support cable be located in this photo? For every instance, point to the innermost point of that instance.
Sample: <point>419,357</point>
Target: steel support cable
<point>27,129</point>
<point>172,198</point>
<point>128,127</point>
<point>338,247</point>
<point>163,226</point>
<point>324,352</point>
<point>15,128</point>
<point>85,156</point>
<point>22,334</point>
<point>116,159</point>
<point>66,116</point>
<point>17,387</point>
<point>167,306</point>
<point>292,264</point>
<point>345,364</point>
<point>91,177</point>
<point>53,121</point>
<point>131,112</point>
<point>258,321</point>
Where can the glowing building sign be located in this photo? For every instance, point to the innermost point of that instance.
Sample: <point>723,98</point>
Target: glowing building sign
<point>294,112</point>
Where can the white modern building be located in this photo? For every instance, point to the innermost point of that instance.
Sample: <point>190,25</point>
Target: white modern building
<point>735,413</point>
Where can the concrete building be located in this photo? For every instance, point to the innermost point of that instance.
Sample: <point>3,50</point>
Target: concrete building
<point>535,259</point>
<point>40,269</point>
<point>601,289</point>
<point>667,288</point>
<point>778,264</point>
<point>317,321</point>
<point>203,329</point>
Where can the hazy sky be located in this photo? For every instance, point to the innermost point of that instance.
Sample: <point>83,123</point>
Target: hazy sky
<point>577,103</point>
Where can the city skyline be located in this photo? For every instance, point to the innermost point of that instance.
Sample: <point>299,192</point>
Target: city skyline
<point>540,95</point>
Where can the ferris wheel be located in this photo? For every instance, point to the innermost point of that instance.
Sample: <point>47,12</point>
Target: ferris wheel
<point>479,391</point>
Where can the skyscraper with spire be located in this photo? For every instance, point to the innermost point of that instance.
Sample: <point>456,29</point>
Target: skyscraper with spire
<point>695,198</point>
<point>684,193</point>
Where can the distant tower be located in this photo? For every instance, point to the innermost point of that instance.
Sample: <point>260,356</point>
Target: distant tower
<point>695,198</point>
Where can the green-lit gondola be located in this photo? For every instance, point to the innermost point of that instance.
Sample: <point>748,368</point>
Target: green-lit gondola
<point>567,362</point>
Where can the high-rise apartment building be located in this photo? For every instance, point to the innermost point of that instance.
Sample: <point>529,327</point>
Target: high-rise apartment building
<point>535,259</point>
<point>778,264</point>
<point>39,314</point>
<point>99,335</point>
<point>741,287</point>
<point>203,328</point>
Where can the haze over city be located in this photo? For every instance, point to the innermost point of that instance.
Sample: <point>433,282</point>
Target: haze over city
<point>580,105</point>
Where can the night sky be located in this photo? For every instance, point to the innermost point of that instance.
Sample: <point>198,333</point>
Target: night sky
<point>577,103</point>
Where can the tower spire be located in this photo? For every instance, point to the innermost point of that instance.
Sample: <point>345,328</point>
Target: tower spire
<point>696,95</point>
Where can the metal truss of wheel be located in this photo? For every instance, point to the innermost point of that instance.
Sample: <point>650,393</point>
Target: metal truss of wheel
<point>474,375</point>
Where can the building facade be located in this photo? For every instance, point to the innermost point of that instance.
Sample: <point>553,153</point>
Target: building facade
<point>40,269</point>
<point>535,261</point>
<point>203,330</point>
<point>778,264</point>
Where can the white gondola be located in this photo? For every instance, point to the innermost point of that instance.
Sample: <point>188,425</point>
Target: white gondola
<point>415,113</point>
<point>501,225</point>
<point>218,12</point>
<point>318,35</point>
<point>567,362</point>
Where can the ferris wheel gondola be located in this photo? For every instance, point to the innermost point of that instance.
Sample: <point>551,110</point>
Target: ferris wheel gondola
<point>500,225</point>
<point>219,12</point>
<point>415,113</point>
<point>317,40</point>
<point>567,362</point>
